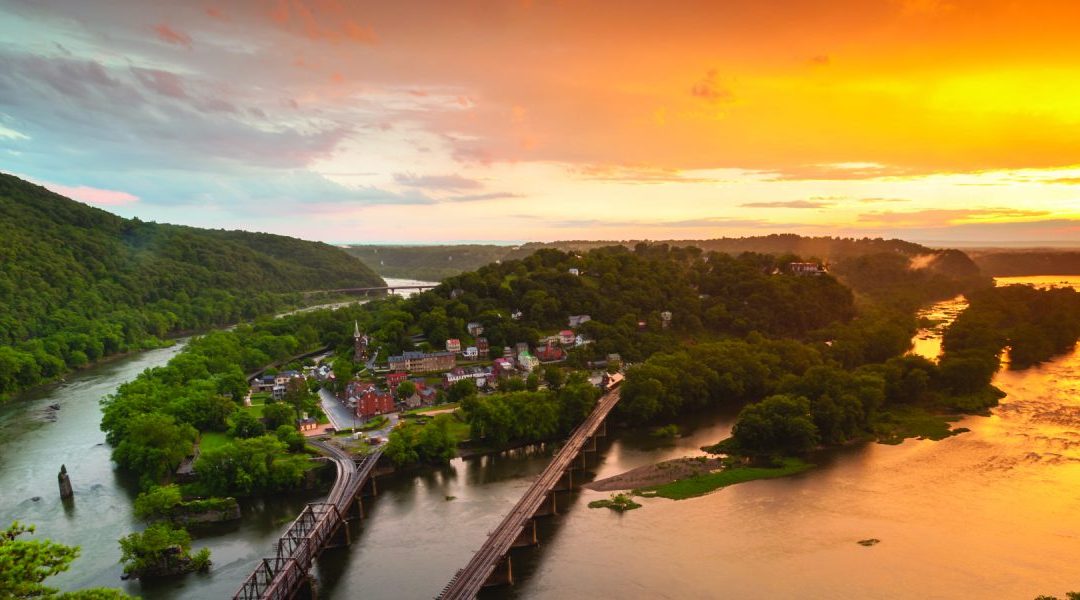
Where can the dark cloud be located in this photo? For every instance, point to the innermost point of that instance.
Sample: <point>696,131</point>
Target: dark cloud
<point>189,128</point>
<point>160,82</point>
<point>710,89</point>
<point>790,204</point>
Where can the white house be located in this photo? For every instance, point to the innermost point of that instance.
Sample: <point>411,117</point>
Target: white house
<point>470,353</point>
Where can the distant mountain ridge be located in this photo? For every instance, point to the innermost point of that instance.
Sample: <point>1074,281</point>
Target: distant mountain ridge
<point>438,262</point>
<point>78,283</point>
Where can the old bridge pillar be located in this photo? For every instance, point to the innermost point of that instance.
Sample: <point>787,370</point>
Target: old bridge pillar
<point>528,536</point>
<point>550,506</point>
<point>502,575</point>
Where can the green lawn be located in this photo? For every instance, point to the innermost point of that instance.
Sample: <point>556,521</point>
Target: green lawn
<point>213,439</point>
<point>425,409</point>
<point>700,485</point>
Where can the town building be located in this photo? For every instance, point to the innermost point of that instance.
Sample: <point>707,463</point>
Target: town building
<point>479,375</point>
<point>503,366</point>
<point>574,271</point>
<point>360,344</point>
<point>470,353</point>
<point>807,268</point>
<point>423,362</point>
<point>395,379</point>
<point>528,362</point>
<point>482,345</point>
<point>374,402</point>
<point>550,353</point>
<point>576,320</point>
<point>474,328</point>
<point>566,337</point>
<point>453,345</point>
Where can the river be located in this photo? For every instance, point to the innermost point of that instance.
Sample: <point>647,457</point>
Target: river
<point>993,512</point>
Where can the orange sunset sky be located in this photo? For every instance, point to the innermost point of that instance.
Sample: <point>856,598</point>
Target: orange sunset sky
<point>933,120</point>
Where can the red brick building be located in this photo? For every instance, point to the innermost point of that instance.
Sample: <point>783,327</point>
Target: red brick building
<point>373,403</point>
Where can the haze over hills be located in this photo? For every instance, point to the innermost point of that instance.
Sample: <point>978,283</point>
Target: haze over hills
<point>440,261</point>
<point>79,283</point>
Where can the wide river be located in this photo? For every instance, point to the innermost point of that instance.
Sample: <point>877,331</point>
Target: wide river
<point>992,513</point>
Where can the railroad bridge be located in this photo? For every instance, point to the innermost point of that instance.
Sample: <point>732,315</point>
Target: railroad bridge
<point>321,525</point>
<point>491,565</point>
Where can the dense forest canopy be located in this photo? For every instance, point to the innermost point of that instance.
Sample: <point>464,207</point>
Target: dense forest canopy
<point>79,283</point>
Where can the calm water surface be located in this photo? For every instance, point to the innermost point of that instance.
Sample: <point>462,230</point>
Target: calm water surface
<point>992,513</point>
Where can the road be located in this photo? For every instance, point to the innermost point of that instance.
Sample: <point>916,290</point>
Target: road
<point>342,417</point>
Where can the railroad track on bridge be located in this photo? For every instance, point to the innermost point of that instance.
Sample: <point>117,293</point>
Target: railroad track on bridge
<point>279,577</point>
<point>468,581</point>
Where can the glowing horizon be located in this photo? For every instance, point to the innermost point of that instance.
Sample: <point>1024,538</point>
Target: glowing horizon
<point>929,120</point>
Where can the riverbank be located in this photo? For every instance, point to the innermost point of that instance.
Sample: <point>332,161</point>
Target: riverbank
<point>690,477</point>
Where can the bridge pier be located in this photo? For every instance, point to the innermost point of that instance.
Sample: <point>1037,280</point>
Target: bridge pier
<point>549,506</point>
<point>356,509</point>
<point>528,536</point>
<point>502,575</point>
<point>566,482</point>
<point>369,488</point>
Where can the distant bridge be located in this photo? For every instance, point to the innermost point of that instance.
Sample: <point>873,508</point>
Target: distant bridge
<point>491,564</point>
<point>321,525</point>
<point>390,289</point>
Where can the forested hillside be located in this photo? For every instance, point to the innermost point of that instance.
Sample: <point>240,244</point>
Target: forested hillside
<point>79,283</point>
<point>1015,263</point>
<point>434,263</point>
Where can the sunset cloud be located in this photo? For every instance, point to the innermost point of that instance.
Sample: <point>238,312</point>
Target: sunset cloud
<point>426,121</point>
<point>94,196</point>
<point>171,36</point>
<point>790,204</point>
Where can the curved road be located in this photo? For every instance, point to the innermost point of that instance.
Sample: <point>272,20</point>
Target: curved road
<point>279,577</point>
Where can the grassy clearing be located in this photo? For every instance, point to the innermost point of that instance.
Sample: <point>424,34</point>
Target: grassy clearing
<point>896,425</point>
<point>427,409</point>
<point>213,439</point>
<point>700,485</point>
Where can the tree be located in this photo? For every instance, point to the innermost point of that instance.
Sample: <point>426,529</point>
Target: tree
<point>554,377</point>
<point>157,502</point>
<point>461,389</point>
<point>154,446</point>
<point>288,435</point>
<point>245,425</point>
<point>26,564</point>
<point>405,390</point>
<point>277,414</point>
<point>297,394</point>
<point>779,424</point>
<point>159,550</point>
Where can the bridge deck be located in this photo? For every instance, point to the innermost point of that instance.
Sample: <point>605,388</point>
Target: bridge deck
<point>383,288</point>
<point>280,576</point>
<point>469,580</point>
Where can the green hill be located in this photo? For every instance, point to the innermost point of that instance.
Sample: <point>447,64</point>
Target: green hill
<point>78,283</point>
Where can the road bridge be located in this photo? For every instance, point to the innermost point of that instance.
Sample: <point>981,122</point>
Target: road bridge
<point>321,525</point>
<point>491,564</point>
<point>390,289</point>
